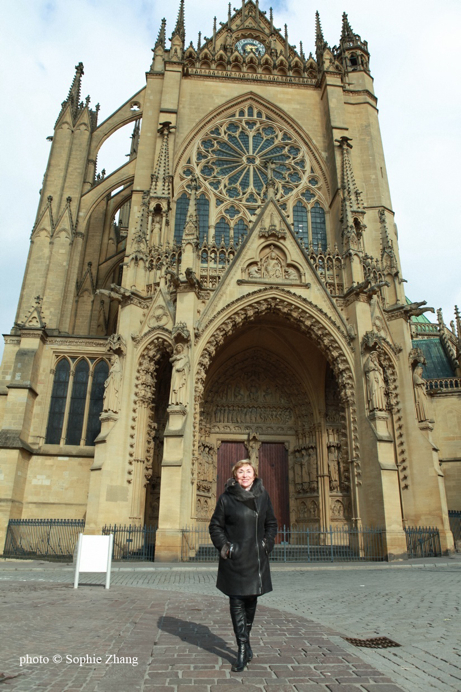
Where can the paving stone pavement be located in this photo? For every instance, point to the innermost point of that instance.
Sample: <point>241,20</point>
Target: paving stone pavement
<point>128,639</point>
<point>418,608</point>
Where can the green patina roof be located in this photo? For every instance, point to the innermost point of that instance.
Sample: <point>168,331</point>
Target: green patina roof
<point>437,363</point>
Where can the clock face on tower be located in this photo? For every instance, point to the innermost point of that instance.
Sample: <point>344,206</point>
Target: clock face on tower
<point>248,45</point>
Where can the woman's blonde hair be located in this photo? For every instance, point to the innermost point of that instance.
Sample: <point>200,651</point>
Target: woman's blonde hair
<point>243,462</point>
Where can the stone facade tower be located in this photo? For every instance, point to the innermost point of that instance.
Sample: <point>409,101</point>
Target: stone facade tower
<point>234,289</point>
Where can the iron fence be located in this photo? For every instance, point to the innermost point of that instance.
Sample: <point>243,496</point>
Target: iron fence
<point>423,541</point>
<point>34,538</point>
<point>298,544</point>
<point>132,542</point>
<point>455,525</point>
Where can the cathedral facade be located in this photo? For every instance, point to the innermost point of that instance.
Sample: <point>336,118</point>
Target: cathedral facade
<point>233,290</point>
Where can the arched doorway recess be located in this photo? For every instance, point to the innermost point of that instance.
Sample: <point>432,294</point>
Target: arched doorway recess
<point>269,387</point>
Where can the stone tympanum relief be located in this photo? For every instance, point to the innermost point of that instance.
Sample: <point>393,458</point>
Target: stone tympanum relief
<point>257,394</point>
<point>273,266</point>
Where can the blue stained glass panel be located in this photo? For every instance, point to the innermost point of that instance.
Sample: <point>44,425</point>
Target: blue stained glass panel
<point>222,230</point>
<point>308,195</point>
<point>300,222</point>
<point>77,403</point>
<point>319,229</point>
<point>231,211</point>
<point>182,207</point>
<point>203,209</point>
<point>313,182</point>
<point>93,427</point>
<point>240,230</point>
<point>58,402</point>
<point>245,141</point>
<point>250,111</point>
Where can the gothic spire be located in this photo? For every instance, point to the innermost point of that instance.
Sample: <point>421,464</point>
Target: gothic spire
<point>73,97</point>
<point>160,42</point>
<point>320,42</point>
<point>346,31</point>
<point>161,179</point>
<point>180,28</point>
<point>352,206</point>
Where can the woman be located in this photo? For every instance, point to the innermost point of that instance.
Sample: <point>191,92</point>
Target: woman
<point>243,529</point>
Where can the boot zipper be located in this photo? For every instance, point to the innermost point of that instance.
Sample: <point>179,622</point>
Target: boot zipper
<point>259,561</point>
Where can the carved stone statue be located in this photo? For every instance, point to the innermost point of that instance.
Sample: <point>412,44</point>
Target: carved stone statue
<point>272,266</point>
<point>179,379</point>
<point>254,272</point>
<point>376,387</point>
<point>113,386</point>
<point>333,468</point>
<point>312,468</point>
<point>419,384</point>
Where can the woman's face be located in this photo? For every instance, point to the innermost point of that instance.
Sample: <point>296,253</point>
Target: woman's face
<point>245,476</point>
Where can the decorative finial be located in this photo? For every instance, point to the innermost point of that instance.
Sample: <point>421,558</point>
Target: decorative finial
<point>229,13</point>
<point>271,16</point>
<point>180,28</point>
<point>199,42</point>
<point>160,42</point>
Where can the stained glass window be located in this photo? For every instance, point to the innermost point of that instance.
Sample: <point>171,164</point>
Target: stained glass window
<point>58,402</point>
<point>319,229</point>
<point>300,222</point>
<point>203,210</point>
<point>182,207</point>
<point>77,403</point>
<point>93,428</point>
<point>234,156</point>
<point>222,230</point>
<point>82,396</point>
<point>240,231</point>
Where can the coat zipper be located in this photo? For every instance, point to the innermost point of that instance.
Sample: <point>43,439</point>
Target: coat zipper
<point>259,561</point>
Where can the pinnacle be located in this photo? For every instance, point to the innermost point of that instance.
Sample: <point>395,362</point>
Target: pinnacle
<point>346,31</point>
<point>180,28</point>
<point>160,42</point>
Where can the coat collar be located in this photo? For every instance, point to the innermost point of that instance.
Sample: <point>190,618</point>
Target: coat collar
<point>236,490</point>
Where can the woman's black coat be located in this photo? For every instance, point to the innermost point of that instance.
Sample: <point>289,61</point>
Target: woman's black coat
<point>245,519</point>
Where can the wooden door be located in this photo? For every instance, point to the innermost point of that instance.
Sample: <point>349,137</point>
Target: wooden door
<point>273,471</point>
<point>229,453</point>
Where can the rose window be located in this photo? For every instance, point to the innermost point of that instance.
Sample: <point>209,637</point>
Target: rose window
<point>236,157</point>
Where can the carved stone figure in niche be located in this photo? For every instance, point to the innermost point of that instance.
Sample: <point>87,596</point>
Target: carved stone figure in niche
<point>205,467</point>
<point>312,469</point>
<point>376,387</point>
<point>112,387</point>
<point>272,267</point>
<point>179,378</point>
<point>254,272</point>
<point>333,467</point>
<point>253,446</point>
<point>337,510</point>
<point>291,274</point>
<point>302,511</point>
<point>419,384</point>
<point>313,509</point>
<point>345,484</point>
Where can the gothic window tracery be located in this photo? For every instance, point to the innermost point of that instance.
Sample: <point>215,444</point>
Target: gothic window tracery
<point>232,158</point>
<point>76,401</point>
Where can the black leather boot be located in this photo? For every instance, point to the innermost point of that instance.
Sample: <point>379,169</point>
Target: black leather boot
<point>239,622</point>
<point>250,609</point>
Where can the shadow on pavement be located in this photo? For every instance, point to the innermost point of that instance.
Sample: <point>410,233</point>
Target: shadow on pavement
<point>196,634</point>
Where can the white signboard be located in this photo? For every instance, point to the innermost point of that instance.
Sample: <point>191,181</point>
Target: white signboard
<point>94,554</point>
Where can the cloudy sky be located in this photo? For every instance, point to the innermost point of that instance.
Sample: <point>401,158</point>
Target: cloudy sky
<point>414,61</point>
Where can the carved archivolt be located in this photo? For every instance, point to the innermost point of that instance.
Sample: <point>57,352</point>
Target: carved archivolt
<point>308,323</point>
<point>142,426</point>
